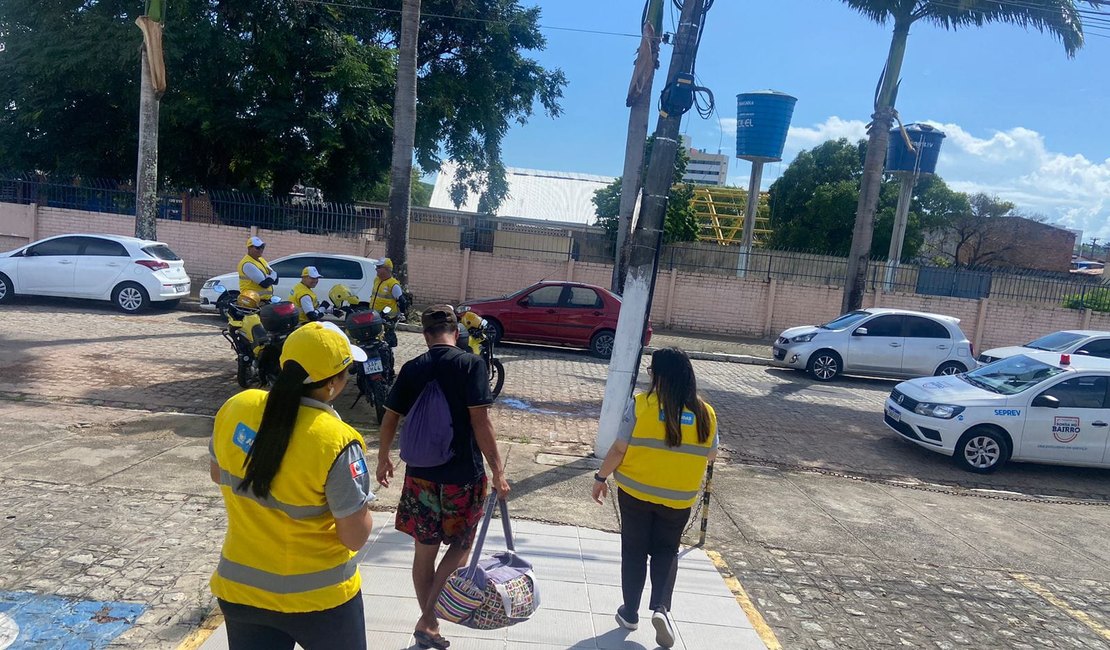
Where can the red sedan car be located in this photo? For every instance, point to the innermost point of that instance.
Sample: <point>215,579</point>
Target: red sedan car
<point>563,313</point>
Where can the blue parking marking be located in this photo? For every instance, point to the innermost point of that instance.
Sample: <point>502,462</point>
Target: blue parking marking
<point>44,622</point>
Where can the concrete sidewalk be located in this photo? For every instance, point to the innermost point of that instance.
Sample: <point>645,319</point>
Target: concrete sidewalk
<point>578,575</point>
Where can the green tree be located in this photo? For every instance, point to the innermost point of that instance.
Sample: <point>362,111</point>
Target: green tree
<point>813,203</point>
<point>681,223</point>
<point>265,94</point>
<point>1060,18</point>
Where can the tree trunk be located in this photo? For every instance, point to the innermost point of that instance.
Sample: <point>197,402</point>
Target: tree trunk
<point>871,183</point>
<point>631,184</point>
<point>146,174</point>
<point>404,138</point>
<point>647,238</point>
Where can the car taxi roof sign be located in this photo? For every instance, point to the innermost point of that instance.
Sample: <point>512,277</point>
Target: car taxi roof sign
<point>1065,359</point>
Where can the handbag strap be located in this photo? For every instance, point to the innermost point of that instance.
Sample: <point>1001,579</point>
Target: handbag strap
<point>476,552</point>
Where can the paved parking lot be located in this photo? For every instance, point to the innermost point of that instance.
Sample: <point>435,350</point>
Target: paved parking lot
<point>844,535</point>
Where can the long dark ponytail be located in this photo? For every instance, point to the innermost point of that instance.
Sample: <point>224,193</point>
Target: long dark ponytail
<point>282,404</point>
<point>673,381</point>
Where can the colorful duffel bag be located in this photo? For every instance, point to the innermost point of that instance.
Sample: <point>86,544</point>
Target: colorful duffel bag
<point>491,592</point>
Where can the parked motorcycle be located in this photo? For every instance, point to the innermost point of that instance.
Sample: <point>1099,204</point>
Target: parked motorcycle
<point>479,338</point>
<point>367,328</point>
<point>257,333</point>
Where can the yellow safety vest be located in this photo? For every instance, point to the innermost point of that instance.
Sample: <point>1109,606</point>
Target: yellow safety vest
<point>300,291</point>
<point>652,471</point>
<point>383,295</point>
<point>282,553</point>
<point>247,284</point>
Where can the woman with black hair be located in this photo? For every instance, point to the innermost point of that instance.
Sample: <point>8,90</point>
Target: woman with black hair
<point>296,487</point>
<point>667,438</point>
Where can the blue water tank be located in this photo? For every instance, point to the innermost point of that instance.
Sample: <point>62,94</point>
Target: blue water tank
<point>926,143</point>
<point>762,121</point>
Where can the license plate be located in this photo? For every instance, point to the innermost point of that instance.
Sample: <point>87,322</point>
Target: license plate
<point>894,414</point>
<point>372,366</point>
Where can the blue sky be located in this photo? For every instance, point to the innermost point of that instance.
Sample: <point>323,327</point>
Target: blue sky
<point>1024,121</point>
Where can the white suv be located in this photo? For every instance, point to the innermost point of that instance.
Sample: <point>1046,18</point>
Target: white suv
<point>889,342</point>
<point>131,272</point>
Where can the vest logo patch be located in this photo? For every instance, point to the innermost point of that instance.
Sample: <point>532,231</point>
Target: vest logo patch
<point>358,468</point>
<point>687,418</point>
<point>244,437</point>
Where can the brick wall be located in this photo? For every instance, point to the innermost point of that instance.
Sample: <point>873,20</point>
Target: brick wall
<point>701,302</point>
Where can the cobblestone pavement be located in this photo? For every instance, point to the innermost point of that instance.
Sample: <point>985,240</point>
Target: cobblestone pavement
<point>844,535</point>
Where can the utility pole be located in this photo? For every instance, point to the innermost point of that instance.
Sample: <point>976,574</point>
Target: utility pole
<point>152,84</point>
<point>639,103</point>
<point>647,238</point>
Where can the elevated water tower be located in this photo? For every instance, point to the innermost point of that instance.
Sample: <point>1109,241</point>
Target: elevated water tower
<point>762,122</point>
<point>909,155</point>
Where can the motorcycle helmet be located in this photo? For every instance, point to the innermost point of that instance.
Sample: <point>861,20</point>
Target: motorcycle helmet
<point>470,320</point>
<point>249,300</point>
<point>341,296</point>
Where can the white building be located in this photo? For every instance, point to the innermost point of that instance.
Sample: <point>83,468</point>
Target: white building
<point>705,168</point>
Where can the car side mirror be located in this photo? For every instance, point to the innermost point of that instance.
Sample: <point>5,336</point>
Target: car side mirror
<point>523,302</point>
<point>1046,401</point>
<point>1087,352</point>
<point>861,331</point>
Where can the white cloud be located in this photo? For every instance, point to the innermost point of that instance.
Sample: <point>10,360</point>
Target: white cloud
<point>1016,165</point>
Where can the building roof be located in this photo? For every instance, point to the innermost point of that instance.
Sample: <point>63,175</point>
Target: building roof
<point>533,194</point>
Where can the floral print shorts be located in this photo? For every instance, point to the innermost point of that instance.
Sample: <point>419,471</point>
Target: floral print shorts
<point>440,513</point>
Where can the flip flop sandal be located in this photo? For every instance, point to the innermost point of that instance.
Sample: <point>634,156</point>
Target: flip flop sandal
<point>425,640</point>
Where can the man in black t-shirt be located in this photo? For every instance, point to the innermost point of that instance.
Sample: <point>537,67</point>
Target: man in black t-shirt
<point>442,504</point>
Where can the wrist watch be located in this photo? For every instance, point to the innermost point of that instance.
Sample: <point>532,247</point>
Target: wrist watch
<point>598,478</point>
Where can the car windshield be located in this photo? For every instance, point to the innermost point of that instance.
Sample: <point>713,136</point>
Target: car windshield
<point>161,252</point>
<point>1055,341</point>
<point>520,291</point>
<point>1011,376</point>
<point>845,321</point>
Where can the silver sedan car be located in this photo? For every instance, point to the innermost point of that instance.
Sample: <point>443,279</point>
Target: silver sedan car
<point>885,342</point>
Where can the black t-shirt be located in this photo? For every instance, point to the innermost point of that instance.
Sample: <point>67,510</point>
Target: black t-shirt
<point>465,383</point>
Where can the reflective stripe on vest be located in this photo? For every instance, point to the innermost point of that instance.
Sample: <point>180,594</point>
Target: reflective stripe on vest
<point>291,584</point>
<point>662,493</point>
<point>294,512</point>
<point>653,443</point>
<point>247,284</point>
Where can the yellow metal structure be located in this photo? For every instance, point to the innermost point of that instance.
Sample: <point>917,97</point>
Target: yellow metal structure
<point>720,213</point>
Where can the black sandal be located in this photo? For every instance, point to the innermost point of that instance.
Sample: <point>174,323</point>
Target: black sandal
<point>425,640</point>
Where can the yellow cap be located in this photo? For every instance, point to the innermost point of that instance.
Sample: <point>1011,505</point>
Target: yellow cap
<point>256,242</point>
<point>310,272</point>
<point>322,349</point>
<point>386,262</point>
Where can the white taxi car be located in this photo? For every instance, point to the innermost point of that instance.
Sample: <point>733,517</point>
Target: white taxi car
<point>1039,407</point>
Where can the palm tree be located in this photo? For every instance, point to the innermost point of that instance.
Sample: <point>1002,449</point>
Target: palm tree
<point>404,138</point>
<point>1061,19</point>
<point>152,84</point>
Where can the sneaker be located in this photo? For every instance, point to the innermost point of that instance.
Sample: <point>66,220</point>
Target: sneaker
<point>664,633</point>
<point>629,621</point>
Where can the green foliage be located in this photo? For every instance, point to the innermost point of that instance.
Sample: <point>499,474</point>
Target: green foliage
<point>813,203</point>
<point>680,224</point>
<point>420,193</point>
<point>1095,300</point>
<point>265,94</point>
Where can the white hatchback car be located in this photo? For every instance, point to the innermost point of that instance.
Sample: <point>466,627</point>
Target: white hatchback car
<point>886,342</point>
<point>132,273</point>
<point>1030,407</point>
<point>357,273</point>
<point>1092,343</point>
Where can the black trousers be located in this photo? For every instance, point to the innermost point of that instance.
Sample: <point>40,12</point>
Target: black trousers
<point>649,529</point>
<point>338,628</point>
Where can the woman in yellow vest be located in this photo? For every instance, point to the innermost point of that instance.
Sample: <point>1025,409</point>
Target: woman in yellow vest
<point>667,438</point>
<point>296,487</point>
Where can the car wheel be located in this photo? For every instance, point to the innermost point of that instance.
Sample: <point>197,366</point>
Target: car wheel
<point>982,450</point>
<point>824,365</point>
<point>601,345</point>
<point>950,368</point>
<point>7,291</point>
<point>497,331</point>
<point>130,297</point>
<point>224,301</point>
